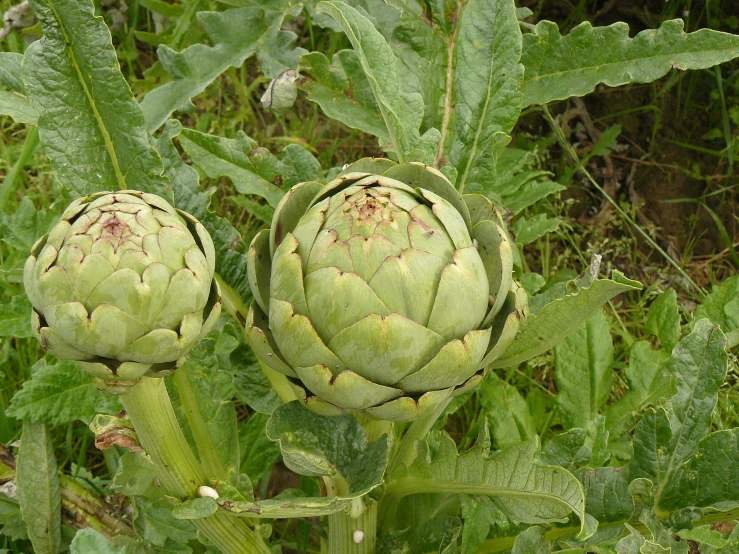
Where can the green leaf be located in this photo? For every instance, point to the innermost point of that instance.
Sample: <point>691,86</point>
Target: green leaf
<point>235,34</point>
<point>18,107</point>
<point>15,317</point>
<point>343,91</point>
<point>558,67</point>
<point>667,438</point>
<point>335,448</point>
<point>527,231</point>
<point>583,363</point>
<point>11,522</point>
<point>722,306</point>
<point>514,479</point>
<point>550,324</point>
<point>607,495</point>
<point>487,94</point>
<point>24,227</point>
<point>648,382</point>
<point>402,111</point>
<point>197,508</point>
<point>91,127</point>
<point>317,445</point>
<point>252,169</point>
<point>663,320</point>
<point>230,248</point>
<point>531,541</point>
<point>61,393</point>
<point>87,541</point>
<point>39,493</point>
<point>13,101</point>
<point>507,412</point>
<point>297,165</point>
<point>704,536</point>
<point>258,452</point>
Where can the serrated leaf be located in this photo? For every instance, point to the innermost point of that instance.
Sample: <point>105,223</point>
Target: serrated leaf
<point>39,493</point>
<point>343,91</point>
<point>18,107</point>
<point>541,330</point>
<point>230,248</point>
<point>315,445</point>
<point>197,508</point>
<point>23,228</point>
<point>558,67</point>
<point>663,320</point>
<point>258,453</point>
<point>722,306</point>
<point>235,34</point>
<point>668,437</point>
<point>11,522</point>
<point>487,95</point>
<point>61,393</point>
<point>507,412</point>
<point>251,385</point>
<point>13,100</point>
<point>583,363</point>
<point>514,479</point>
<point>91,127</point>
<point>252,169</point>
<point>402,111</point>
<point>648,382</point>
<point>88,540</point>
<point>15,317</point>
<point>527,231</point>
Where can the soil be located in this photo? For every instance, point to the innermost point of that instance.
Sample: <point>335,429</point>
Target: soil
<point>665,182</point>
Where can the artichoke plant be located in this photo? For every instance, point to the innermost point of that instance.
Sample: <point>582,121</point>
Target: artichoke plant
<point>123,284</point>
<point>384,291</point>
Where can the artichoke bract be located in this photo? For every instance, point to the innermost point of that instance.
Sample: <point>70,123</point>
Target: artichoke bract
<point>384,291</point>
<point>123,284</point>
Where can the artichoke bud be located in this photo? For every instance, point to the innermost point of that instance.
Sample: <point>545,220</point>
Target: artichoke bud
<point>124,285</point>
<point>384,291</point>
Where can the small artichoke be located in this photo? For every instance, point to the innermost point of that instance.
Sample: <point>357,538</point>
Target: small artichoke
<point>124,284</point>
<point>384,291</point>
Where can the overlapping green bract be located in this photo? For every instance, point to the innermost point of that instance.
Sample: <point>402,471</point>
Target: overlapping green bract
<point>123,284</point>
<point>384,291</point>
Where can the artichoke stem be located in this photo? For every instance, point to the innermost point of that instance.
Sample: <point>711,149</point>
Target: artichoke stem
<point>353,535</point>
<point>150,411</point>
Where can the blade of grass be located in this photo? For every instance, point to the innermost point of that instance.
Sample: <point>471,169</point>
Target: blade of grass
<point>9,184</point>
<point>724,233</point>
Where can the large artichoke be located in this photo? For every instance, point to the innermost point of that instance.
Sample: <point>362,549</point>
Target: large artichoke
<point>384,291</point>
<point>124,284</point>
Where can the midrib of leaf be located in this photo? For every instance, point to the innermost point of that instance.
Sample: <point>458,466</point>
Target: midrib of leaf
<point>411,485</point>
<point>670,465</point>
<point>480,124</point>
<point>447,117</point>
<point>593,408</point>
<point>49,505</point>
<point>103,129</point>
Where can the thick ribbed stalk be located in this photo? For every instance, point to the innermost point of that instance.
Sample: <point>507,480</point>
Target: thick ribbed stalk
<point>150,411</point>
<point>353,535</point>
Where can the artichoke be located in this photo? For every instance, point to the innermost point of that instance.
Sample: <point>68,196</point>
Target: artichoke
<point>384,291</point>
<point>123,284</point>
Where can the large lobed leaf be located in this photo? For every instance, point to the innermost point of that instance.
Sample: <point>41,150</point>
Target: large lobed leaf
<point>558,67</point>
<point>89,123</point>
<point>514,479</point>
<point>551,323</point>
<point>401,110</point>
<point>235,34</point>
